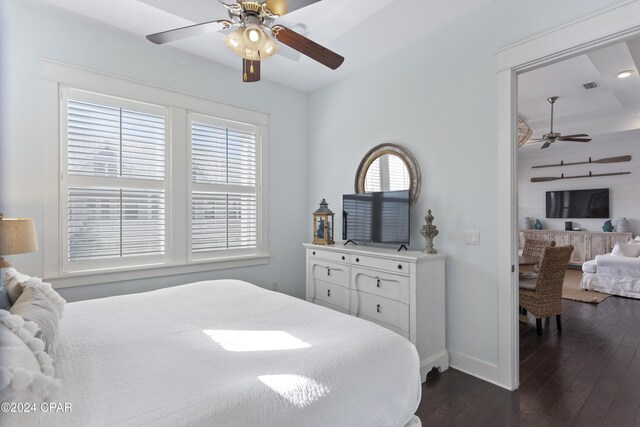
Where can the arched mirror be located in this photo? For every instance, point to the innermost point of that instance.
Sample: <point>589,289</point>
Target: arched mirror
<point>389,167</point>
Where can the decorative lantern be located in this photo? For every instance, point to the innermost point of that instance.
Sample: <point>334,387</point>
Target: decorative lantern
<point>323,225</point>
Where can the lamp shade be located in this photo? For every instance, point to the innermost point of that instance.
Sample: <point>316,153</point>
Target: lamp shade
<point>17,236</point>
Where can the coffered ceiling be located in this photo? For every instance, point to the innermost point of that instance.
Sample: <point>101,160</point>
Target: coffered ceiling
<point>613,106</point>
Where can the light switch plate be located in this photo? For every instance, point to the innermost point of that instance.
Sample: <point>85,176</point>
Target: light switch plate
<point>472,237</point>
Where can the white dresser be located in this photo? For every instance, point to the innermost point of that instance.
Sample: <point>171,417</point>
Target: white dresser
<point>402,291</point>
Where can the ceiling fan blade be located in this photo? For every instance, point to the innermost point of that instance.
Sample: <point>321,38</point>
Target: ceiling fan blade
<point>574,135</point>
<point>250,70</point>
<point>546,145</point>
<point>189,31</point>
<point>281,7</point>
<point>564,138</point>
<point>307,47</point>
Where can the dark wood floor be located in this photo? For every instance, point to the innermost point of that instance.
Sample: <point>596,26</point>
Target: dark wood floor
<point>587,376</point>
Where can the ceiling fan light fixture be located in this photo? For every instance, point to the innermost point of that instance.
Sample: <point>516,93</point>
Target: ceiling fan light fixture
<point>269,49</point>
<point>624,74</point>
<point>234,42</point>
<point>253,37</point>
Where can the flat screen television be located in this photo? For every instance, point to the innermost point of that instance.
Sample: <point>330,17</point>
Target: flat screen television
<point>376,217</point>
<point>578,203</point>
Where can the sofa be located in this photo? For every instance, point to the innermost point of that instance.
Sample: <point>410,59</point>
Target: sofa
<point>616,273</point>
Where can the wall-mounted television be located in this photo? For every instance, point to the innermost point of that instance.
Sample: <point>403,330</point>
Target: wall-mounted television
<point>578,203</point>
<point>376,217</point>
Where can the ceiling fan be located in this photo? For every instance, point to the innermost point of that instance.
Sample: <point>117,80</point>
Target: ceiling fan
<point>552,136</point>
<point>252,39</point>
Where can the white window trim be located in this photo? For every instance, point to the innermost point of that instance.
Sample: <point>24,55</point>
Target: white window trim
<point>178,211</point>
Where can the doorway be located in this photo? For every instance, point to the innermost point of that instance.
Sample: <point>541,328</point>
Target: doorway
<point>606,28</point>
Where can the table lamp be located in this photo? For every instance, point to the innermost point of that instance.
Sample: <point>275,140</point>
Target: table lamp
<point>17,236</point>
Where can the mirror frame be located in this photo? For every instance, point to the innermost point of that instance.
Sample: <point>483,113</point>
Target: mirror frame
<point>415,177</point>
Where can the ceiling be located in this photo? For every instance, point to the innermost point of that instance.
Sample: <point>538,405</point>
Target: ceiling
<point>614,106</point>
<point>356,29</point>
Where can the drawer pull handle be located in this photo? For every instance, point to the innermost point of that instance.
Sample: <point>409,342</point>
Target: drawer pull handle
<point>378,308</point>
<point>378,282</point>
<point>399,266</point>
<point>343,257</point>
<point>314,252</point>
<point>357,259</point>
<point>328,292</point>
<point>328,272</point>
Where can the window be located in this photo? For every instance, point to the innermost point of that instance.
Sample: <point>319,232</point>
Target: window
<point>124,167</point>
<point>223,182</point>
<point>114,185</point>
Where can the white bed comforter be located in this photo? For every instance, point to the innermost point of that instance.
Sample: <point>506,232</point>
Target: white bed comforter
<point>227,352</point>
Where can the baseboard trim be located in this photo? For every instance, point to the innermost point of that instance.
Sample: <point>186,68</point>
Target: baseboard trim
<point>485,371</point>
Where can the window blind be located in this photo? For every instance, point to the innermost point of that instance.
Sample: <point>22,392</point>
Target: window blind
<point>119,212</point>
<point>109,223</point>
<point>373,181</point>
<point>224,205</point>
<point>398,174</point>
<point>387,173</point>
<point>222,155</point>
<point>114,142</point>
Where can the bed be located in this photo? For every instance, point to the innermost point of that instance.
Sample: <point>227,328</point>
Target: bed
<point>227,352</point>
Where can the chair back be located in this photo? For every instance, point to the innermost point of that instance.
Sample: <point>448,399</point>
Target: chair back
<point>535,249</point>
<point>552,270</point>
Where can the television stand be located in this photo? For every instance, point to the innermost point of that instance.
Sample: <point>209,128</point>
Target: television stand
<point>402,247</point>
<point>350,241</point>
<point>409,286</point>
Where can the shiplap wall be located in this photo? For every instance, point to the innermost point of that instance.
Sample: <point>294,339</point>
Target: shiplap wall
<point>624,189</point>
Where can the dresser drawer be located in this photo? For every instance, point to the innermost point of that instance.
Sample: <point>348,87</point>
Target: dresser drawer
<point>380,309</point>
<point>329,293</point>
<point>329,255</point>
<point>329,272</point>
<point>401,267</point>
<point>388,285</point>
<point>333,307</point>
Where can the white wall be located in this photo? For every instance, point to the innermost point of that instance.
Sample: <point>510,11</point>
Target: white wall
<point>31,31</point>
<point>624,189</point>
<point>438,97</point>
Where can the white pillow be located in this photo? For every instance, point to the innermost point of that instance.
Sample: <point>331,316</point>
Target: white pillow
<point>15,283</point>
<point>626,250</point>
<point>12,282</point>
<point>35,306</point>
<point>26,371</point>
<point>635,241</point>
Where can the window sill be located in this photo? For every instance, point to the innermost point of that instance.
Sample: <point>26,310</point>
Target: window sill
<point>83,278</point>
